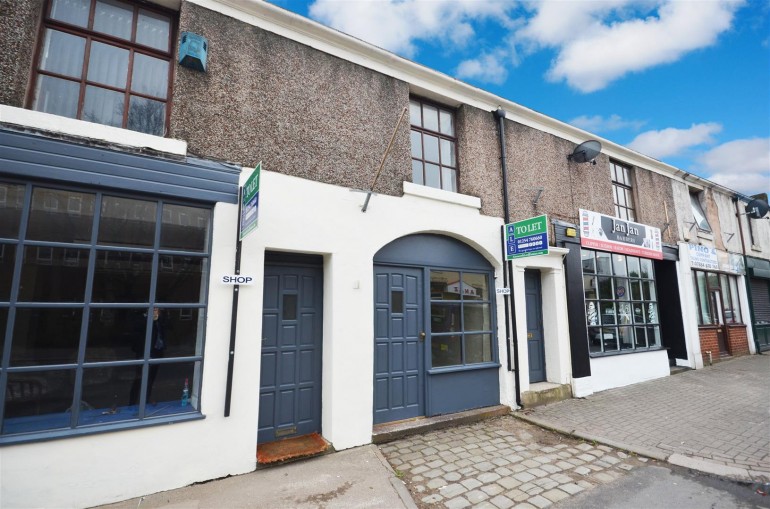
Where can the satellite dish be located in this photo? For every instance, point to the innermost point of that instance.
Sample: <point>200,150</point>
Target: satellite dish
<point>757,209</point>
<point>585,152</point>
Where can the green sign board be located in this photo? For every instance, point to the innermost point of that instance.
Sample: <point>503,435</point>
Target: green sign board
<point>526,238</point>
<point>250,203</point>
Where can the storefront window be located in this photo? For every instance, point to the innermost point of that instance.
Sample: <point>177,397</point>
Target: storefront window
<point>718,301</point>
<point>460,317</point>
<point>103,297</point>
<point>620,302</point>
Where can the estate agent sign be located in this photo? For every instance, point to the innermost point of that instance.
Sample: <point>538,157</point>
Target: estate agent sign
<point>607,233</point>
<point>526,238</point>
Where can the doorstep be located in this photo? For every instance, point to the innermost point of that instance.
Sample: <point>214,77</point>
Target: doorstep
<point>543,393</point>
<point>389,431</point>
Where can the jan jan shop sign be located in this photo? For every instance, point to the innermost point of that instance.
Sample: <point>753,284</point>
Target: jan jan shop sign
<point>608,233</point>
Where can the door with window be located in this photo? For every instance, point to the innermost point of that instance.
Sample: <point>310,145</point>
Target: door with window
<point>290,381</point>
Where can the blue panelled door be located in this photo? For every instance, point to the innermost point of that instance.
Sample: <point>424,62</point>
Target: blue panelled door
<point>535,345</point>
<point>399,342</point>
<point>290,382</point>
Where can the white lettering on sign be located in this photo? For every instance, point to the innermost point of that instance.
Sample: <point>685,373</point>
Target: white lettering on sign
<point>237,280</point>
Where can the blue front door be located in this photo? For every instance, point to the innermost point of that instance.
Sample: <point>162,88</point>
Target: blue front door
<point>290,382</point>
<point>399,342</point>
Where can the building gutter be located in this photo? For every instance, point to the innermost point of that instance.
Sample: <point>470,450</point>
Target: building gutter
<point>510,305</point>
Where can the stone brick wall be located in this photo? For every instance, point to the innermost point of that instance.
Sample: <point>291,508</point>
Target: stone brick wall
<point>735,337</point>
<point>709,343</point>
<point>737,340</point>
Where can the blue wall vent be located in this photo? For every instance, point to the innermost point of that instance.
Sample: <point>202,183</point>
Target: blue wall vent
<point>193,49</point>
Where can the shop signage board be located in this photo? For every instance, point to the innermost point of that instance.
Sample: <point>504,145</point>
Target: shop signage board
<point>608,233</point>
<point>703,257</point>
<point>250,203</point>
<point>526,238</point>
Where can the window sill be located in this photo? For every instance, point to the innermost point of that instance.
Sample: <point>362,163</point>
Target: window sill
<point>80,128</point>
<point>470,367</point>
<point>43,436</point>
<point>417,190</point>
<point>625,352</point>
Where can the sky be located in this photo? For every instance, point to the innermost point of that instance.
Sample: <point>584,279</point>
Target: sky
<point>686,82</point>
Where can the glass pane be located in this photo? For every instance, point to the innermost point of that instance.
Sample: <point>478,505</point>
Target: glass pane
<point>11,204</point>
<point>432,176</point>
<point>646,267</point>
<point>605,288</point>
<point>146,116</point>
<point>713,280</point>
<point>589,287</point>
<point>152,29</point>
<point>430,117</point>
<point>652,312</point>
<point>53,274</point>
<point>183,331</point>
<point>641,337</point>
<point>653,336</point>
<point>430,147</point>
<point>603,263</point>
<point>38,401</point>
<point>620,196</point>
<point>61,216</point>
<point>62,53</point>
<point>594,340</point>
<point>45,336</point>
<point>619,265</point>
<point>734,313</point>
<point>56,96</point>
<point>447,123</point>
<point>609,339</point>
<point>397,301</point>
<point>445,317</point>
<point>648,290</point>
<point>173,388</point>
<point>108,65</point>
<point>114,18</point>
<point>444,285</point>
<point>417,172</point>
<point>636,291</point>
<point>445,351</point>
<point>626,337</point>
<point>621,289</point>
<point>592,314</point>
<point>122,276</point>
<point>289,306</point>
<point>638,312</point>
<point>127,222</point>
<point>416,139</point>
<point>608,313</point>
<point>704,317</point>
<point>476,317</point>
<point>415,117</point>
<point>185,228</point>
<point>74,12</point>
<point>448,179</point>
<point>475,286</point>
<point>698,214</point>
<point>624,313</point>
<point>103,106</point>
<point>3,323</point>
<point>116,334</point>
<point>448,153</point>
<point>478,348</point>
<point>7,259</point>
<point>588,261</point>
<point>181,278</point>
<point>149,76</point>
<point>110,394</point>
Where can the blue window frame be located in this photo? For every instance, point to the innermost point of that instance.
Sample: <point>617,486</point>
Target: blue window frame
<point>102,310</point>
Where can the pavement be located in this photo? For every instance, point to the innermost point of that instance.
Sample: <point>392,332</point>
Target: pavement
<point>715,420</point>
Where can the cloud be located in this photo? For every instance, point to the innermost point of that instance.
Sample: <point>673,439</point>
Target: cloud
<point>743,165</point>
<point>396,25</point>
<point>670,142</point>
<point>487,68</point>
<point>599,124</point>
<point>599,42</point>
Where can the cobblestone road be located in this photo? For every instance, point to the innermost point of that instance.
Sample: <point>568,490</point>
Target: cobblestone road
<point>502,462</point>
<point>720,414</point>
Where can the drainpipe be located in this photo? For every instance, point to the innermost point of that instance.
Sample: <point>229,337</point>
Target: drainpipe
<point>746,280</point>
<point>510,315</point>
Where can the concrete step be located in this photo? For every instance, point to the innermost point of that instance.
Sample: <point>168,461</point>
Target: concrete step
<point>543,393</point>
<point>390,431</point>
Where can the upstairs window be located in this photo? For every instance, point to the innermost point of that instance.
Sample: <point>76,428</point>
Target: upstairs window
<point>622,191</point>
<point>105,61</point>
<point>697,212</point>
<point>434,146</point>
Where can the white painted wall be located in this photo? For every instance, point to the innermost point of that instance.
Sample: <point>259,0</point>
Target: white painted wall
<point>621,370</point>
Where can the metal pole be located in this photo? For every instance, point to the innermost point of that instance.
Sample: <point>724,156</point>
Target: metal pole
<point>234,312</point>
<point>384,156</point>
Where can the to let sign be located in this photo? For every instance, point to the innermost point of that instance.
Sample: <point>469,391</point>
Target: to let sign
<point>526,238</point>
<point>250,203</point>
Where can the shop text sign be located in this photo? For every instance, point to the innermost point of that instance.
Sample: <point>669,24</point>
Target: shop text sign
<point>607,233</point>
<point>703,257</point>
<point>250,203</point>
<point>526,238</point>
<point>237,279</point>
